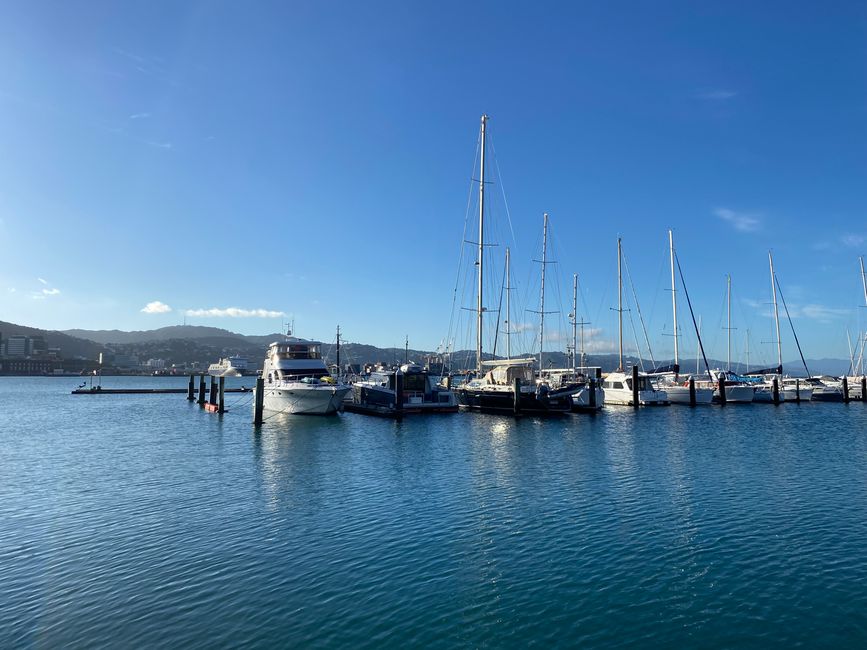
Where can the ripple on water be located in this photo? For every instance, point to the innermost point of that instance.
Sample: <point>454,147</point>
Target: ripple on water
<point>144,521</point>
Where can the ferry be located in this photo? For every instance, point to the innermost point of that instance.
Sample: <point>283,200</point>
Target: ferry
<point>234,366</point>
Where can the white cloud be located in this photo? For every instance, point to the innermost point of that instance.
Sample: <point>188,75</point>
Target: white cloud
<point>852,240</point>
<point>234,312</point>
<point>11,289</point>
<point>743,221</point>
<point>156,307</point>
<point>719,94</point>
<point>139,116</point>
<point>159,145</point>
<point>51,292</point>
<point>42,281</point>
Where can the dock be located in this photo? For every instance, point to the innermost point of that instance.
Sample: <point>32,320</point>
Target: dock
<point>96,390</point>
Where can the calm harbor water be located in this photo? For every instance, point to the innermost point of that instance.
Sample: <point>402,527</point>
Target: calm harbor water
<point>143,521</point>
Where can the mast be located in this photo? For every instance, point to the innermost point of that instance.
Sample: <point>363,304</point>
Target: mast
<point>673,296</point>
<point>574,316</point>
<point>542,296</point>
<point>481,250</point>
<point>748,350</point>
<point>338,350</point>
<point>508,307</point>
<point>729,322</point>
<point>776,316</point>
<point>698,345</point>
<point>620,304</point>
<point>863,279</point>
<point>406,350</point>
<point>864,336</point>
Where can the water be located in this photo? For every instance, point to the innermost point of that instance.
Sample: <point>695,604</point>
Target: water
<point>143,521</point>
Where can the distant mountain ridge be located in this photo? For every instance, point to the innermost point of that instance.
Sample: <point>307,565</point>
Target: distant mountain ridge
<point>185,343</point>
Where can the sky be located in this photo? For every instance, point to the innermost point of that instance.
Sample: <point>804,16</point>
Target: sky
<point>242,165</point>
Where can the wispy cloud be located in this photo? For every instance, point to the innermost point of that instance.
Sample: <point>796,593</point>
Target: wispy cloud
<point>812,311</point>
<point>159,145</point>
<point>156,307</point>
<point>717,94</point>
<point>11,289</point>
<point>852,240</point>
<point>51,292</point>
<point>742,221</point>
<point>42,281</point>
<point>234,312</point>
<point>139,116</point>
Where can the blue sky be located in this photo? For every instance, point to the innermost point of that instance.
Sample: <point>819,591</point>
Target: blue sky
<point>314,160</point>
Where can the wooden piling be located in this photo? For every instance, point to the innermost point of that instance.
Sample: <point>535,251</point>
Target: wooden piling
<point>797,391</point>
<point>516,396</point>
<point>864,388</point>
<point>212,394</point>
<point>845,390</point>
<point>722,391</point>
<point>692,391</point>
<point>635,387</point>
<point>259,402</point>
<point>222,404</point>
<point>191,389</point>
<point>776,391</point>
<point>592,400</point>
<point>201,400</point>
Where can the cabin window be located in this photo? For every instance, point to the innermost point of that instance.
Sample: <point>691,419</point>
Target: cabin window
<point>269,378</point>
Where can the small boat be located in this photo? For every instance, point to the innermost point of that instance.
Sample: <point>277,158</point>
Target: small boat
<point>421,391</point>
<point>618,390</point>
<point>618,385</point>
<point>297,380</point>
<point>586,397</point>
<point>826,388</point>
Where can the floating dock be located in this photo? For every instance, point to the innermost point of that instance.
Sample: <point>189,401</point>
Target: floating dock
<point>146,391</point>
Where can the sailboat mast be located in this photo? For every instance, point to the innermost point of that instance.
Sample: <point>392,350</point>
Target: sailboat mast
<point>542,296</point>
<point>481,250</point>
<point>729,322</point>
<point>574,317</point>
<point>508,307</point>
<point>776,315</point>
<point>620,303</point>
<point>698,345</point>
<point>338,350</point>
<point>673,294</point>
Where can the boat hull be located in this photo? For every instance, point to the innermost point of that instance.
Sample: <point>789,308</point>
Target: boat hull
<point>581,400</point>
<point>503,401</point>
<point>301,399</point>
<point>437,402</point>
<point>680,395</point>
<point>623,397</point>
<point>736,394</point>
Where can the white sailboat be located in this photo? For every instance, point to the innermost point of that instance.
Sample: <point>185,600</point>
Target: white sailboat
<point>677,390</point>
<point>618,386</point>
<point>765,389</point>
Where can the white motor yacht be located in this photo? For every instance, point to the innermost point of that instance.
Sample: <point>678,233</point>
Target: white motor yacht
<point>618,391</point>
<point>297,381</point>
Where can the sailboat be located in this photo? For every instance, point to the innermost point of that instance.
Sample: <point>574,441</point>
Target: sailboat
<point>679,392</point>
<point>506,385</point>
<point>769,377</point>
<point>618,385</point>
<point>585,382</point>
<point>737,391</point>
<point>857,382</point>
